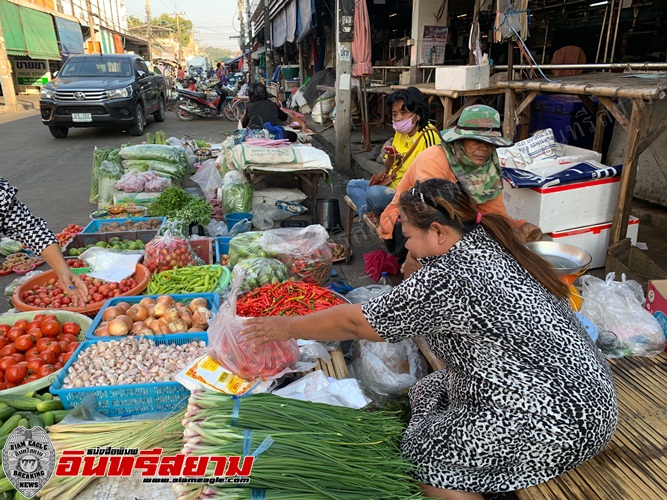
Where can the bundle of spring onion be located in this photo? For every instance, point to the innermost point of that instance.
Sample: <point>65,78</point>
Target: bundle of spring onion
<point>140,434</point>
<point>315,451</point>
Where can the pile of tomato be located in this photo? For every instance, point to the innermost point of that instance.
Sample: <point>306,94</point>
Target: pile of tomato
<point>67,234</point>
<point>30,350</point>
<point>50,294</point>
<point>76,263</point>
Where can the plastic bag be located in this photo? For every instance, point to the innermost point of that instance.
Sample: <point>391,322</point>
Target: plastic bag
<point>318,388</point>
<point>305,251</point>
<point>265,215</point>
<point>167,252</point>
<point>109,173</point>
<point>236,193</point>
<point>131,182</point>
<point>246,358</point>
<point>366,293</point>
<point>259,271</point>
<point>386,369</point>
<point>161,168</point>
<point>99,155</point>
<point>172,154</point>
<point>208,178</point>
<point>625,328</point>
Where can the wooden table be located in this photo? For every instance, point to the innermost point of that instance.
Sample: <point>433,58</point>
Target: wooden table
<point>634,465</point>
<point>608,88</point>
<point>448,98</point>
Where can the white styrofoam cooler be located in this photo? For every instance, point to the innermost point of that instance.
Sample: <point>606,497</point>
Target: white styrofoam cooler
<point>565,206</point>
<point>594,239</point>
<point>462,77</point>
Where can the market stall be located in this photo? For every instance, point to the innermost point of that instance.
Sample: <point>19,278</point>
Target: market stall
<point>642,89</point>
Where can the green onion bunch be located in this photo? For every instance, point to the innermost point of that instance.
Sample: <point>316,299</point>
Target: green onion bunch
<point>319,451</point>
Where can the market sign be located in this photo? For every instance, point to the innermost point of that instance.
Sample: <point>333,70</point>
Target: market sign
<point>31,71</point>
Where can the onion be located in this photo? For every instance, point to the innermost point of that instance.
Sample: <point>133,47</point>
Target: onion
<point>165,330</point>
<point>171,314</point>
<point>147,301</point>
<point>200,317</point>
<point>160,309</point>
<point>194,329</point>
<point>178,305</point>
<point>187,317</point>
<point>126,320</point>
<point>123,306</point>
<point>139,327</point>
<point>118,327</point>
<point>166,299</point>
<point>197,303</point>
<point>198,327</point>
<point>137,312</point>
<point>150,309</point>
<point>177,326</point>
<point>110,313</point>
<point>154,326</point>
<point>101,331</point>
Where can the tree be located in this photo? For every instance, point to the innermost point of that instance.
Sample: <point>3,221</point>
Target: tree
<point>219,55</point>
<point>165,26</point>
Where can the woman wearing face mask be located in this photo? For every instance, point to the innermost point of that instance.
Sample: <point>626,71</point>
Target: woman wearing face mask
<point>467,155</point>
<point>409,115</point>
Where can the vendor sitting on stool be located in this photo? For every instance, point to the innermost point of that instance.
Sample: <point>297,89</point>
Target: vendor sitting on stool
<point>261,110</point>
<point>467,156</point>
<point>414,133</point>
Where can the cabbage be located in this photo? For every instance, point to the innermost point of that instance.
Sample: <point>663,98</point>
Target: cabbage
<point>7,246</point>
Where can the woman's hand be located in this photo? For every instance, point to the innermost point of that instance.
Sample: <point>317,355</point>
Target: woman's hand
<point>74,287</point>
<point>263,330</point>
<point>392,159</point>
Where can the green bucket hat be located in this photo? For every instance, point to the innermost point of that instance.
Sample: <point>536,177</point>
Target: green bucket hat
<point>477,122</point>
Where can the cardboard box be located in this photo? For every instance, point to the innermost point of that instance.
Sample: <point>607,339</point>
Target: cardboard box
<point>594,239</point>
<point>462,77</point>
<point>568,156</point>
<point>565,206</point>
<point>656,302</point>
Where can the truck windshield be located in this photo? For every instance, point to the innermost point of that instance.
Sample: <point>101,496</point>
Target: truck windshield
<point>97,67</point>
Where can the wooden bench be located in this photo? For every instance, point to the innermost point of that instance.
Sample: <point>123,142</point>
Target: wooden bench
<point>634,465</point>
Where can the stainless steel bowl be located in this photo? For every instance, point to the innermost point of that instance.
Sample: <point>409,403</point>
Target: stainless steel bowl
<point>565,259</point>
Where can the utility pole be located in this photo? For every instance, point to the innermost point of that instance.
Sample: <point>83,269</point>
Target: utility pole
<point>267,42</point>
<point>248,30</point>
<point>344,35</point>
<point>178,34</point>
<point>91,25</point>
<point>148,30</point>
<point>6,82</point>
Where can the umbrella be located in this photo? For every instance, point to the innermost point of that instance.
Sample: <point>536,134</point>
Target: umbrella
<point>362,66</point>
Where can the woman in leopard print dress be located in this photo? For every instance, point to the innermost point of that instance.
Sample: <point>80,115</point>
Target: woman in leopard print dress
<point>525,395</point>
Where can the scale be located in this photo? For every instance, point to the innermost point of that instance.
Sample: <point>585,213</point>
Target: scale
<point>569,262</point>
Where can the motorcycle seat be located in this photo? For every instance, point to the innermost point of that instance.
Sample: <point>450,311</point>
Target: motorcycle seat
<point>201,95</point>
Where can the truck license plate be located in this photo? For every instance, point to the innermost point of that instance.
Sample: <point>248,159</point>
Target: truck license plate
<point>82,117</point>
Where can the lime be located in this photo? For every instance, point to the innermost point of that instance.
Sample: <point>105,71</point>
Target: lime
<point>73,252</point>
<point>132,246</point>
<point>102,244</point>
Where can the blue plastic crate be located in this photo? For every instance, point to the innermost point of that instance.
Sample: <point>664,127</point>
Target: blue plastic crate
<point>95,225</point>
<point>212,302</point>
<point>130,399</point>
<point>221,246</point>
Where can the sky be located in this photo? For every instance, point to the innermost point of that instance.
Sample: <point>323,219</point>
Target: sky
<point>214,21</point>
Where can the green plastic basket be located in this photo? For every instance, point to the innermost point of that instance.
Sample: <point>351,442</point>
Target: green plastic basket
<point>80,270</point>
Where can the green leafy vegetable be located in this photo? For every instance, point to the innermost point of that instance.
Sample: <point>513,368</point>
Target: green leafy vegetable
<point>175,204</point>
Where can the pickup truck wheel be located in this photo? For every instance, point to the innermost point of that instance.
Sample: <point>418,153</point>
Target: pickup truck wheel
<point>160,115</point>
<point>59,132</point>
<point>138,128</point>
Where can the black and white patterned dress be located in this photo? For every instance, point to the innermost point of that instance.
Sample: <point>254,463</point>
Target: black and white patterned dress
<point>18,223</point>
<point>525,396</point>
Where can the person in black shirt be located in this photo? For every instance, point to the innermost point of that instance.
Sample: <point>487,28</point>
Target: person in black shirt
<point>261,110</point>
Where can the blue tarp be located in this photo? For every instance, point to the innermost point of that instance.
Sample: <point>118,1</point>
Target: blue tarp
<point>579,173</point>
<point>69,34</point>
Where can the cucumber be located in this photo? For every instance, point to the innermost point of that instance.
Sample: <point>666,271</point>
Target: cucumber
<point>7,495</point>
<point>48,418</point>
<point>23,423</point>
<point>35,421</point>
<point>2,472</point>
<point>3,440</point>
<point>19,496</point>
<point>47,396</point>
<point>10,424</point>
<point>58,415</point>
<point>29,404</point>
<point>43,406</point>
<point>6,412</point>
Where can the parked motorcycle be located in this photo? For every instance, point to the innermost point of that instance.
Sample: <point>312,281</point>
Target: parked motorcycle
<point>200,104</point>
